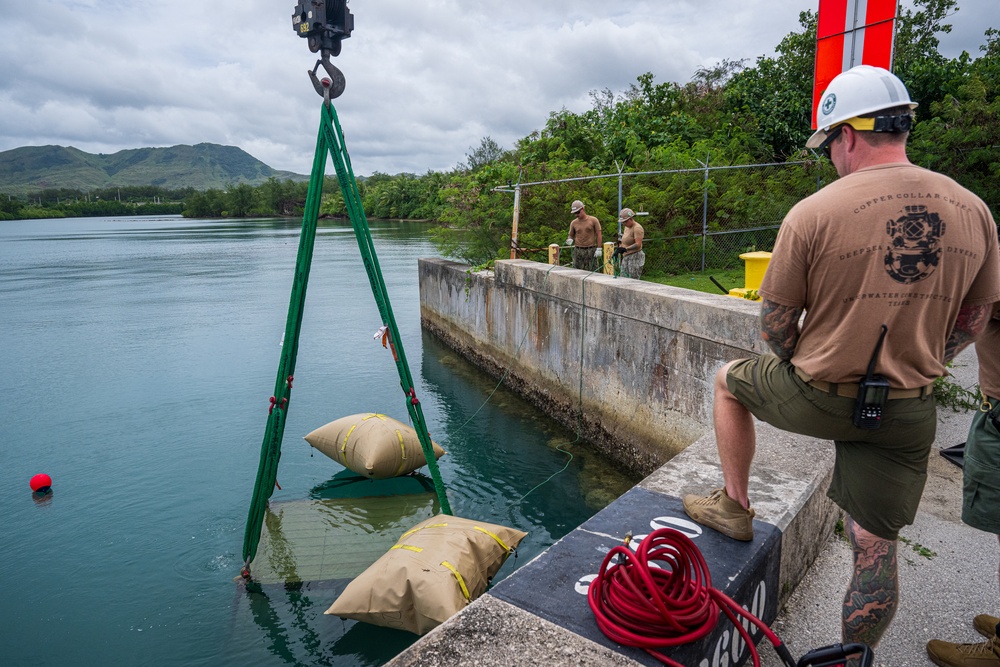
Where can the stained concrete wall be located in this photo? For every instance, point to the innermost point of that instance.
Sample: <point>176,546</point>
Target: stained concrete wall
<point>635,359</point>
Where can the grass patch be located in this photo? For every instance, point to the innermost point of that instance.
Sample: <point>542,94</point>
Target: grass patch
<point>950,394</point>
<point>702,280</point>
<point>918,548</point>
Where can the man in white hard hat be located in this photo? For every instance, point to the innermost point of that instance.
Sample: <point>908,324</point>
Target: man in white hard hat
<point>630,248</point>
<point>896,269</point>
<point>585,237</point>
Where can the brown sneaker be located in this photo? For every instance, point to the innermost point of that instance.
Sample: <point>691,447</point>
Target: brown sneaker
<point>946,654</point>
<point>986,625</point>
<point>722,513</point>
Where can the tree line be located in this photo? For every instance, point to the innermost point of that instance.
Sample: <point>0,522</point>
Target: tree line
<point>73,203</point>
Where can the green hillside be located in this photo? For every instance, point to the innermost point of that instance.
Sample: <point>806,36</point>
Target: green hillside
<point>204,166</point>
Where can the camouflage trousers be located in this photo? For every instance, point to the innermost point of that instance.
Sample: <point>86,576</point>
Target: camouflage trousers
<point>583,258</point>
<point>632,265</point>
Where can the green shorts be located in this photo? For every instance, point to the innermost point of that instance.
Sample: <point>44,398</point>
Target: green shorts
<point>878,475</point>
<point>981,476</point>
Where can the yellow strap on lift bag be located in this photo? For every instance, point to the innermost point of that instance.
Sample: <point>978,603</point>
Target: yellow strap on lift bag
<point>433,572</point>
<point>372,445</point>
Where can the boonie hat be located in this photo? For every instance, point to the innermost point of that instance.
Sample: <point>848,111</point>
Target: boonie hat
<point>626,214</point>
<point>575,206</point>
<point>860,90</point>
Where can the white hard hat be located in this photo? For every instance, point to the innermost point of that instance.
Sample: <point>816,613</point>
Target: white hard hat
<point>575,206</point>
<point>626,214</point>
<point>859,90</point>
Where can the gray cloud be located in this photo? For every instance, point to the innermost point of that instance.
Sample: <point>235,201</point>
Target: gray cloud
<point>425,81</point>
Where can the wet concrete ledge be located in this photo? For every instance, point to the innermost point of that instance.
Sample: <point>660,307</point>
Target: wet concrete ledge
<point>540,614</point>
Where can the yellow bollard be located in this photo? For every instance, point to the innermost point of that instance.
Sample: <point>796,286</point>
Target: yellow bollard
<point>609,250</point>
<point>553,253</point>
<point>754,268</point>
<point>755,265</point>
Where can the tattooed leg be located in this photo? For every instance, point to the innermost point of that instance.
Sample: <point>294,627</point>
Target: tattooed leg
<point>873,594</point>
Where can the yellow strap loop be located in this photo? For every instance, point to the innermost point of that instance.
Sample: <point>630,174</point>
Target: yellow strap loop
<point>461,581</point>
<point>402,454</point>
<point>499,541</point>
<point>343,447</point>
<point>433,525</point>
<point>374,415</point>
<point>407,547</point>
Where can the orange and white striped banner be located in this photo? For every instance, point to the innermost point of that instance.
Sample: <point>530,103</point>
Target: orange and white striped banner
<point>849,33</point>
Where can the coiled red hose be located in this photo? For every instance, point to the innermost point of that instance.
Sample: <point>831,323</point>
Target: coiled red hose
<point>653,608</point>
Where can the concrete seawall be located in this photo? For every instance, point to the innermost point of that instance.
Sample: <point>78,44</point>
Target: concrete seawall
<point>632,363</point>
<point>635,360</point>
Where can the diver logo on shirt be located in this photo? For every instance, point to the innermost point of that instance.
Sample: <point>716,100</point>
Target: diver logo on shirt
<point>915,245</point>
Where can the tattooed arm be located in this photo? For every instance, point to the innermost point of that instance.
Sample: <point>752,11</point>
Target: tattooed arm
<point>779,327</point>
<point>970,323</point>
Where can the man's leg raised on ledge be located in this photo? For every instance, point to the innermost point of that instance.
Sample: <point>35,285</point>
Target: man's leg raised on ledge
<point>727,510</point>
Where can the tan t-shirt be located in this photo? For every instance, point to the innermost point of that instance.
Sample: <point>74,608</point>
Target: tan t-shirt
<point>632,235</point>
<point>892,244</point>
<point>586,232</point>
<point>988,353</point>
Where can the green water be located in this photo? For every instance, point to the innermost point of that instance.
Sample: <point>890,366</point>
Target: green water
<point>137,361</point>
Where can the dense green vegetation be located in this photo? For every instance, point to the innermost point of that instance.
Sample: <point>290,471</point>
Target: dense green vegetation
<point>402,196</point>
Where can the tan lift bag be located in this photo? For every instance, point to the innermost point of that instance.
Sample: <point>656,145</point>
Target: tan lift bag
<point>434,570</point>
<point>372,445</point>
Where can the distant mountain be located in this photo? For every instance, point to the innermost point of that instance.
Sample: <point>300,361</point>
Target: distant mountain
<point>202,167</point>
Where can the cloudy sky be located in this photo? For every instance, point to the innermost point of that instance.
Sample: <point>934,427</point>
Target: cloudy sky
<point>426,80</point>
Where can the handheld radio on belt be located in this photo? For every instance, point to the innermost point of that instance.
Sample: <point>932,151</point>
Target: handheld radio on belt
<point>873,392</point>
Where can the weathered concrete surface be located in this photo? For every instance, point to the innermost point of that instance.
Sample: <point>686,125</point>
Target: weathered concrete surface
<point>492,633</point>
<point>634,359</point>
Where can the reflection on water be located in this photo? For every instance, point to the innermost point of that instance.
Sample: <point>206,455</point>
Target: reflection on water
<point>138,357</point>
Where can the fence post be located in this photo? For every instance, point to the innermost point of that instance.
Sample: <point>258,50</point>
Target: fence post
<point>620,168</point>
<point>553,253</point>
<point>704,212</point>
<point>517,215</point>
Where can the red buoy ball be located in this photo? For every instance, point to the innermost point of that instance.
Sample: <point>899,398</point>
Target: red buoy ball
<point>41,483</point>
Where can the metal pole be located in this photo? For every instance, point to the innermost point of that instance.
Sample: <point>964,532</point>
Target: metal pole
<point>704,213</point>
<point>517,216</point>
<point>620,178</point>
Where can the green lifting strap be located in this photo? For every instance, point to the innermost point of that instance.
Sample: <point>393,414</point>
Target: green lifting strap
<point>330,140</point>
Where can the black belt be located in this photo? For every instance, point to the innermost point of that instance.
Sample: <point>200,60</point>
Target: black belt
<point>585,247</point>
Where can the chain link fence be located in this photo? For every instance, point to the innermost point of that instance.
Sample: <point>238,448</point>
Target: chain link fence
<point>694,219</point>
